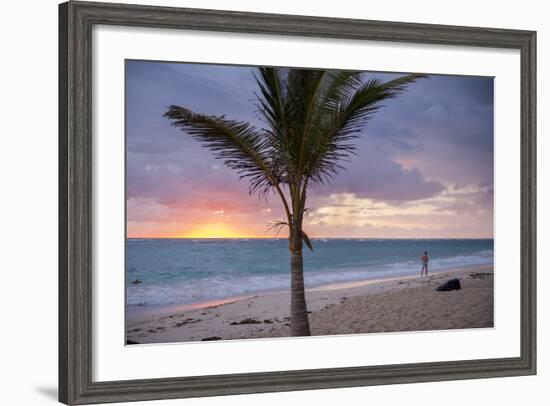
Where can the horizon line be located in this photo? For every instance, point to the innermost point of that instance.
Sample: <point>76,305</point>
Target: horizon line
<point>313,238</point>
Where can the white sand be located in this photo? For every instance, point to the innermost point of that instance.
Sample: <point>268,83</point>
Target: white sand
<point>390,305</point>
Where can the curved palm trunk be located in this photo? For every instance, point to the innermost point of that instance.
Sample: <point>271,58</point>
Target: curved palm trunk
<point>299,323</point>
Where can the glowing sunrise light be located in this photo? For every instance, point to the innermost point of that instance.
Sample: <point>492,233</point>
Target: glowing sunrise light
<point>216,230</point>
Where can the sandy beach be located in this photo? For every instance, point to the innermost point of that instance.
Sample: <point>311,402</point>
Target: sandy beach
<point>371,306</point>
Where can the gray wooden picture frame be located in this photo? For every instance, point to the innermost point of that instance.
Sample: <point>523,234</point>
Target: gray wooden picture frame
<point>76,20</point>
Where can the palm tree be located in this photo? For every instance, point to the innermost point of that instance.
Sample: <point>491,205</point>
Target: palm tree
<point>312,118</point>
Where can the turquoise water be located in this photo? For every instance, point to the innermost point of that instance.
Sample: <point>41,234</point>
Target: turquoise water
<point>184,271</point>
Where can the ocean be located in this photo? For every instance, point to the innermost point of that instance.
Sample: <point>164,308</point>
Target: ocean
<point>187,271</point>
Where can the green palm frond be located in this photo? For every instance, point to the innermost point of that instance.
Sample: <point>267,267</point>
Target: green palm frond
<point>272,108</point>
<point>341,125</point>
<point>240,146</point>
<point>271,82</point>
<point>357,109</point>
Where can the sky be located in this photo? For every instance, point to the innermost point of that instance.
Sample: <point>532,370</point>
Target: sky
<point>424,164</point>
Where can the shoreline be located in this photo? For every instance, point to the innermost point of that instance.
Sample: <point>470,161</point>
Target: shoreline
<point>335,308</point>
<point>137,310</point>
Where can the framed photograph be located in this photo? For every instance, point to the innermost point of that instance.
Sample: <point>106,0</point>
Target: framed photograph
<point>257,202</point>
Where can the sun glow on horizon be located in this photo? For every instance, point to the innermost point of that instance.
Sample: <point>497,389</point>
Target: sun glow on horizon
<point>217,230</point>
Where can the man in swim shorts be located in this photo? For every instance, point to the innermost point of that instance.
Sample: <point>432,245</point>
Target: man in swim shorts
<point>424,258</point>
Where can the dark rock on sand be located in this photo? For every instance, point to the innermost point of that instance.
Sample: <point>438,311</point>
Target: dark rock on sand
<point>214,338</point>
<point>480,275</point>
<point>130,342</point>
<point>267,321</point>
<point>452,284</point>
<point>187,321</point>
<point>245,321</point>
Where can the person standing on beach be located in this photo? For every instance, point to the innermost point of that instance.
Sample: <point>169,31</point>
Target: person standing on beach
<point>424,258</point>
